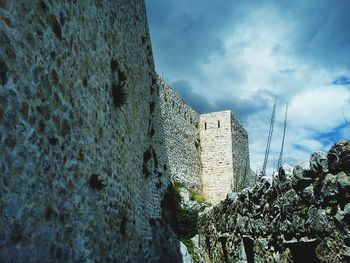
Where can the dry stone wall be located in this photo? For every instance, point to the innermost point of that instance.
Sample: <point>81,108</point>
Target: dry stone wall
<point>181,137</point>
<point>303,216</point>
<point>82,170</point>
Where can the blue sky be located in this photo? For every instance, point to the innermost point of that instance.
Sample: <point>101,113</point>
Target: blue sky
<point>239,55</point>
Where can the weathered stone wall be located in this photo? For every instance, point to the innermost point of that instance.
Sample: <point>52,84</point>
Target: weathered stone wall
<point>182,142</point>
<point>82,173</point>
<point>303,216</point>
<point>240,154</point>
<point>216,147</point>
<point>201,154</point>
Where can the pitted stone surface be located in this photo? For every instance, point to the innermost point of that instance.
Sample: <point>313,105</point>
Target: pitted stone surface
<point>82,172</point>
<point>90,137</point>
<point>181,137</point>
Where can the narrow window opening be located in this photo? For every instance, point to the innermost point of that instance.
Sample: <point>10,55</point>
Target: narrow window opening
<point>179,109</point>
<point>218,124</point>
<point>205,126</point>
<point>173,104</point>
<point>190,120</point>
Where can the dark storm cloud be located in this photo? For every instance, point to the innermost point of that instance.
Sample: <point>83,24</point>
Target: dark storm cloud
<point>186,32</point>
<point>239,55</point>
<point>244,108</point>
<point>322,31</point>
<point>197,101</point>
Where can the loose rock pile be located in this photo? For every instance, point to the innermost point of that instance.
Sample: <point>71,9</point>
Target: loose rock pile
<point>303,215</point>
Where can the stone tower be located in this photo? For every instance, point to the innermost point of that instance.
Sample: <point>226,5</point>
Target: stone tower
<point>224,154</point>
<point>207,152</point>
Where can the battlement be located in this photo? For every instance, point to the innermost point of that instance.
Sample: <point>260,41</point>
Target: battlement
<point>174,104</point>
<point>208,152</point>
<point>181,137</point>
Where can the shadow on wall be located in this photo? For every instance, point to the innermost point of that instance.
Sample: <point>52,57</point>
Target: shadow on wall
<point>304,250</point>
<point>249,248</point>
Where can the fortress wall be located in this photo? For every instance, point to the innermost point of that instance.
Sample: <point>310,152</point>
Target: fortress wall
<point>82,170</point>
<point>181,137</point>
<point>216,146</point>
<point>240,154</point>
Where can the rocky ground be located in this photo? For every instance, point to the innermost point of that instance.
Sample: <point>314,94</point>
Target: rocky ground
<point>303,215</point>
<point>181,208</point>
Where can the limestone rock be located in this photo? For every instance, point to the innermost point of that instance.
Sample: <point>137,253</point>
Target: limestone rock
<point>346,214</point>
<point>302,169</point>
<point>242,256</point>
<point>317,219</point>
<point>283,180</point>
<point>308,194</point>
<point>298,222</point>
<point>185,196</point>
<point>344,187</point>
<point>319,162</point>
<point>232,196</point>
<point>309,216</point>
<point>339,157</point>
<point>240,223</point>
<point>330,188</point>
<point>346,254</point>
<point>290,198</point>
<point>285,171</point>
<point>343,216</point>
<point>186,256</point>
<point>302,176</point>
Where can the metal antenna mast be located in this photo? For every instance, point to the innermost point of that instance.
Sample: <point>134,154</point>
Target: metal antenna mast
<point>268,145</point>
<point>284,135</point>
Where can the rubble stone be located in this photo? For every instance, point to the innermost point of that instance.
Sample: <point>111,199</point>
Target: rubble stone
<point>312,218</point>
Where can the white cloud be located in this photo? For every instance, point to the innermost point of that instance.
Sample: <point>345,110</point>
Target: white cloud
<point>273,49</point>
<point>319,109</point>
<point>310,145</point>
<point>258,49</point>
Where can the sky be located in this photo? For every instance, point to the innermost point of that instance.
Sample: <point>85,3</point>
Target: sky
<point>240,55</point>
